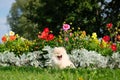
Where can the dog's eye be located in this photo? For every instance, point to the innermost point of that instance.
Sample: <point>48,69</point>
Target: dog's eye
<point>57,53</point>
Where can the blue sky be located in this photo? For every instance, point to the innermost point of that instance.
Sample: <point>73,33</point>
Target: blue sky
<point>5,6</point>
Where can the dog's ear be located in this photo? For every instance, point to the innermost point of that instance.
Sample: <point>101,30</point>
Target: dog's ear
<point>59,48</point>
<point>55,49</point>
<point>63,48</point>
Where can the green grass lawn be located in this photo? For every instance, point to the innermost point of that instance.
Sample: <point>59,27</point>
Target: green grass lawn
<point>31,73</point>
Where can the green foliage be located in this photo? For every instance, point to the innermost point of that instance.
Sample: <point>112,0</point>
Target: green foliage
<point>19,23</point>
<point>27,17</point>
<point>70,39</point>
<point>118,46</point>
<point>14,43</point>
<point>19,46</point>
<point>78,39</point>
<point>39,44</point>
<point>2,47</point>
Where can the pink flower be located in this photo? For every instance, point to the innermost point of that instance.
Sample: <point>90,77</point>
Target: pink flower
<point>71,34</point>
<point>66,27</point>
<point>66,39</point>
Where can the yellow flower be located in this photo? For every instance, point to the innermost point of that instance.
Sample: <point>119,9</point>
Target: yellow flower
<point>78,28</point>
<point>70,23</point>
<point>80,78</point>
<point>72,28</point>
<point>17,36</point>
<point>118,29</point>
<point>96,41</point>
<point>83,34</point>
<point>60,41</point>
<point>11,33</point>
<point>94,35</point>
<point>60,37</point>
<point>104,44</point>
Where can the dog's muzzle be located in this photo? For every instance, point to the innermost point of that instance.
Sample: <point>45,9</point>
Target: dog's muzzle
<point>59,57</point>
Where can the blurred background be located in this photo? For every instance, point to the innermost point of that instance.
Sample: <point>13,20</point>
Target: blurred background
<point>28,17</point>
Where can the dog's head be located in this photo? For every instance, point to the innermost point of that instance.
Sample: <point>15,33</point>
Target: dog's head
<point>59,52</point>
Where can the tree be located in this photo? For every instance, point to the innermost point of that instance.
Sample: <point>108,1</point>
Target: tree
<point>28,17</point>
<point>18,22</point>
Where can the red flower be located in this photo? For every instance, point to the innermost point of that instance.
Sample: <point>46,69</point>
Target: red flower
<point>46,30</point>
<point>109,25</point>
<point>50,37</point>
<point>12,38</point>
<point>106,38</point>
<point>43,35</point>
<point>4,39</point>
<point>114,47</point>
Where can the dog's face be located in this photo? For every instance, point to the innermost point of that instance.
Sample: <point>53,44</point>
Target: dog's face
<point>60,58</point>
<point>58,52</point>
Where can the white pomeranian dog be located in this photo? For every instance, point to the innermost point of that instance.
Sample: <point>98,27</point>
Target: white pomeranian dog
<point>60,59</point>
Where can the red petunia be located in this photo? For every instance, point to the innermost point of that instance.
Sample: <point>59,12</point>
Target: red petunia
<point>50,37</point>
<point>4,39</point>
<point>114,47</point>
<point>109,25</point>
<point>43,35</point>
<point>106,38</point>
<point>46,30</point>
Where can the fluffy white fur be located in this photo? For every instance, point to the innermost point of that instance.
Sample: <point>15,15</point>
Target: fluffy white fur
<point>60,58</point>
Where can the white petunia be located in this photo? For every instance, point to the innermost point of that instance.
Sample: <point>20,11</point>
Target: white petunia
<point>11,33</point>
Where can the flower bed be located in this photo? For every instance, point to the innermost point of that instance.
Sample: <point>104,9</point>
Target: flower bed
<point>84,50</point>
<point>80,57</point>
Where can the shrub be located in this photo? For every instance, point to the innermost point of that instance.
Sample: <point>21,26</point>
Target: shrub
<point>78,39</point>
<point>80,57</point>
<point>68,38</point>
<point>14,43</point>
<point>36,58</point>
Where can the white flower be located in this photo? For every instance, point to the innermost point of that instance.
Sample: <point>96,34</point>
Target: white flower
<point>11,33</point>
